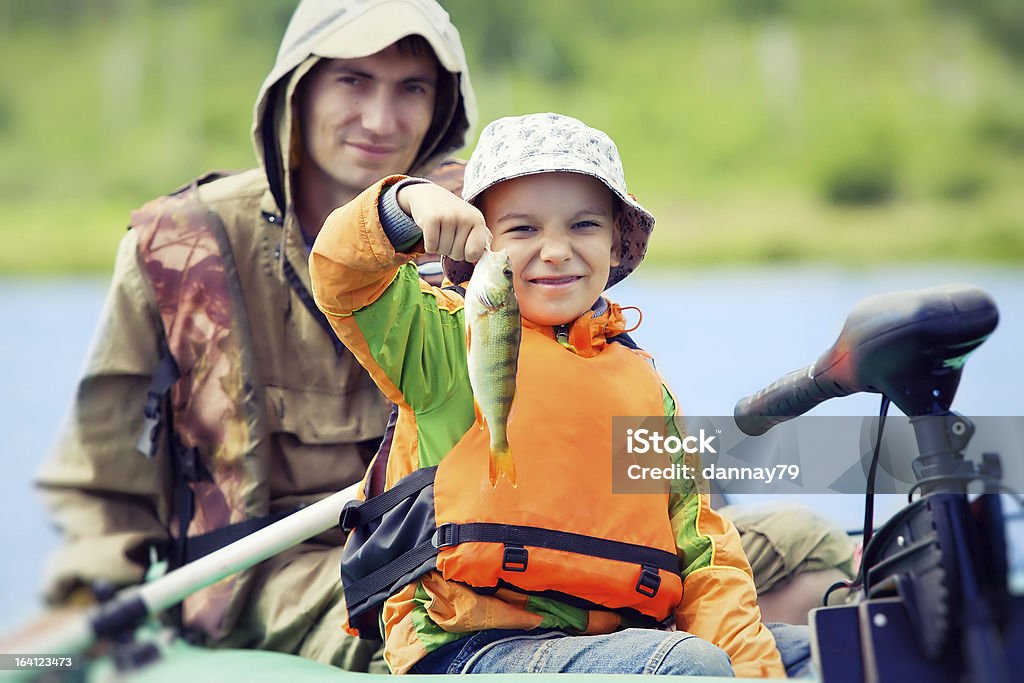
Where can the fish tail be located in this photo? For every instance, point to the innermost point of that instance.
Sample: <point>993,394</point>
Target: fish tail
<point>502,464</point>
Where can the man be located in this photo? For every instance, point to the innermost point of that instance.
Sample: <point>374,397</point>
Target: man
<point>215,395</point>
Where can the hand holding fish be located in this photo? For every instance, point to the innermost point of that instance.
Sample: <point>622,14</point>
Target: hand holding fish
<point>451,227</point>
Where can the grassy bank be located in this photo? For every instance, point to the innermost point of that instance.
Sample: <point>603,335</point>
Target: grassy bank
<point>757,132</point>
<point>82,236</point>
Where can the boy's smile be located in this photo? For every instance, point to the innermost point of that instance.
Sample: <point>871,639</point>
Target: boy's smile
<point>562,236</point>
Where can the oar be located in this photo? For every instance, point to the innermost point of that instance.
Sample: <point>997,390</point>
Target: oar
<point>134,603</point>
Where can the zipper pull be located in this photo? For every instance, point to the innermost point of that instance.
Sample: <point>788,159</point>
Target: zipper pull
<point>562,335</point>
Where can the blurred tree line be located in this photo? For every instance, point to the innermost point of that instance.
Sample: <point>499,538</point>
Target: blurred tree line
<point>763,107</point>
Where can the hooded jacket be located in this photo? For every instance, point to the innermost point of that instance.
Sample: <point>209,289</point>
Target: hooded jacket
<point>321,415</point>
<point>411,338</point>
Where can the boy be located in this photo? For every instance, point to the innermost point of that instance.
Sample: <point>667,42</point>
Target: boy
<point>555,573</point>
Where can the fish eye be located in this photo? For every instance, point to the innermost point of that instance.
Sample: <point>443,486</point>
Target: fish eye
<point>507,272</point>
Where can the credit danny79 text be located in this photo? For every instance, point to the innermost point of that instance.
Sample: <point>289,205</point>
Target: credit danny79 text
<point>644,441</point>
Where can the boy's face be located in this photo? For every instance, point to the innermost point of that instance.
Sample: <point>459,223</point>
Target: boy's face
<point>562,235</point>
<point>365,118</point>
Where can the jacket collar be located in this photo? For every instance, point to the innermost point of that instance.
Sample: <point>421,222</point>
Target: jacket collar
<point>587,335</point>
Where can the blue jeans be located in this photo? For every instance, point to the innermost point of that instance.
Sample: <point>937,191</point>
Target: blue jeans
<point>633,651</point>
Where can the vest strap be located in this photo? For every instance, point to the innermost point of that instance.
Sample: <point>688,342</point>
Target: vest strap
<point>307,300</point>
<point>383,580</point>
<point>450,534</point>
<point>356,513</point>
<point>164,377</point>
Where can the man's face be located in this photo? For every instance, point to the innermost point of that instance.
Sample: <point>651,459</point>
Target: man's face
<point>365,118</point>
<point>562,237</point>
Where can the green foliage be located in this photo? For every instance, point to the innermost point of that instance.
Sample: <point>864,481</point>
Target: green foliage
<point>1003,128</point>
<point>1002,20</point>
<point>865,179</point>
<point>793,116</point>
<point>964,185</point>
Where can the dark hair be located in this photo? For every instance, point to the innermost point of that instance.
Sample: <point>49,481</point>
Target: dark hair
<point>415,45</point>
<point>446,93</point>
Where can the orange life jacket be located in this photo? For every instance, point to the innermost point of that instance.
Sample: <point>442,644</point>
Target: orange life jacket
<point>560,532</point>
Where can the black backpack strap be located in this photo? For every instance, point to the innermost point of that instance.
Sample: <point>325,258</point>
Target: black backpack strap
<point>186,465</point>
<point>204,544</point>
<point>186,468</point>
<point>358,513</point>
<point>164,377</point>
<point>358,594</point>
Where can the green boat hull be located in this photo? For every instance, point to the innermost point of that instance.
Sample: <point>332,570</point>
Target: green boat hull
<point>180,662</point>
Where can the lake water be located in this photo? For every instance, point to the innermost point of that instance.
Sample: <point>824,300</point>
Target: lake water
<point>717,335</point>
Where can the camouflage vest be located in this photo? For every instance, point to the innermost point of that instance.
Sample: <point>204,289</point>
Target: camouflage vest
<point>215,429</point>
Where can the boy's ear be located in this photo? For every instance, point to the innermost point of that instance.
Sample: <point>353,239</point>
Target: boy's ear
<point>616,241</point>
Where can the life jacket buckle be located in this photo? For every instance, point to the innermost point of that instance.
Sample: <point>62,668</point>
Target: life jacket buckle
<point>649,582</point>
<point>515,559</point>
<point>446,535</point>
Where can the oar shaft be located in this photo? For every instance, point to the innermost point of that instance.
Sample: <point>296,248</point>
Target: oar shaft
<point>130,604</point>
<point>171,589</point>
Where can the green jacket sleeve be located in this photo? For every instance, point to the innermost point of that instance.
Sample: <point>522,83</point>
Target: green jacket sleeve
<point>409,335</point>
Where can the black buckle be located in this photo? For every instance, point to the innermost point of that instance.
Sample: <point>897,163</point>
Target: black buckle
<point>446,535</point>
<point>152,409</point>
<point>516,558</point>
<point>649,582</point>
<point>349,517</point>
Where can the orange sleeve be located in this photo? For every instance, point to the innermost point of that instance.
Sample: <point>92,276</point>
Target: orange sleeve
<point>719,601</point>
<point>352,261</point>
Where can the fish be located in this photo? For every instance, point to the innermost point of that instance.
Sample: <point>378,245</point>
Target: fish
<point>493,331</point>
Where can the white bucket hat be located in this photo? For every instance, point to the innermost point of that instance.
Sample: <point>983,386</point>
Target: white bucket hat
<point>546,143</point>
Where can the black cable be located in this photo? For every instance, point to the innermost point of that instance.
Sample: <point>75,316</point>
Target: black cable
<point>869,496</point>
<point>834,587</point>
<point>869,509</point>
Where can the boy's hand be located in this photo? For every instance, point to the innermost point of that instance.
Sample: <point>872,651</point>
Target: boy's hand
<point>451,227</point>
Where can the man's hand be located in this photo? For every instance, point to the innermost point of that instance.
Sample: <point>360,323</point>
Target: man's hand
<point>451,227</point>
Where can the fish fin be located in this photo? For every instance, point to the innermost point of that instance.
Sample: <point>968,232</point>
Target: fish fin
<point>478,417</point>
<point>502,465</point>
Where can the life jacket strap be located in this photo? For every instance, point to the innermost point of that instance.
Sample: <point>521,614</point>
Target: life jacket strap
<point>517,538</point>
<point>357,513</point>
<point>371,590</point>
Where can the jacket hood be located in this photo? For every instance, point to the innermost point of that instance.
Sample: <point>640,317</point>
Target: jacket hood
<point>345,29</point>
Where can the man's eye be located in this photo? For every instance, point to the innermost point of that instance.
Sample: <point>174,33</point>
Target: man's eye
<point>521,228</point>
<point>416,89</point>
<point>586,224</point>
<point>349,80</point>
